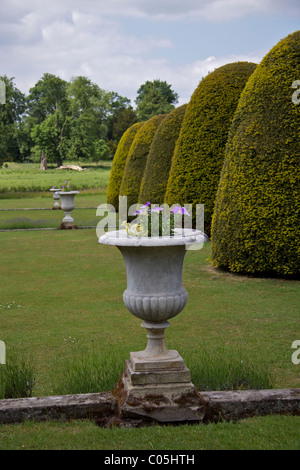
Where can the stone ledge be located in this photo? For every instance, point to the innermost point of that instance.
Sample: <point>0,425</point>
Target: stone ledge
<point>223,405</point>
<point>239,404</point>
<point>62,407</point>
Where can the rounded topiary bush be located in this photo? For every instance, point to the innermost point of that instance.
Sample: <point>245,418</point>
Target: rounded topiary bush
<point>256,223</point>
<point>156,174</point>
<point>137,158</point>
<point>200,148</point>
<point>118,164</point>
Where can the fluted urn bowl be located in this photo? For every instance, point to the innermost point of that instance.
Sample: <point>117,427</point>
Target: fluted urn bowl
<point>154,272</point>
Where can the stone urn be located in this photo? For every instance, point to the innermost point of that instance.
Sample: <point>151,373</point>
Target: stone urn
<point>67,205</point>
<point>56,197</point>
<point>156,382</point>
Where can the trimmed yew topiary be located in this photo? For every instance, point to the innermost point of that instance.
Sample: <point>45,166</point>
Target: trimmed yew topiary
<point>256,223</point>
<point>200,149</point>
<point>137,158</point>
<point>118,164</point>
<point>156,174</point>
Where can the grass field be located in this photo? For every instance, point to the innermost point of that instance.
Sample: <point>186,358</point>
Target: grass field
<point>28,177</point>
<point>61,309</point>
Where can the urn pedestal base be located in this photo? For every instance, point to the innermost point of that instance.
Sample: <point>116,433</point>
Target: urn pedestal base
<point>156,383</point>
<point>68,226</point>
<point>166,396</point>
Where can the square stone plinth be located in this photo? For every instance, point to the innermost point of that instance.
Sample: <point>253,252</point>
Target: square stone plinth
<point>166,395</point>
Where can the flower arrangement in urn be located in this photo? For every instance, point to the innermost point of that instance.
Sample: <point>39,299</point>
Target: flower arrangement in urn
<point>155,221</point>
<point>66,187</point>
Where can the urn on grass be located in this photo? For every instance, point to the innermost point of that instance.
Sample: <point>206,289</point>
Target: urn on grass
<point>67,205</point>
<point>56,197</point>
<point>156,382</point>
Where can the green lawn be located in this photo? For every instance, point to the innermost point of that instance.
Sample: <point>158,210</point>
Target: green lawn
<point>84,213</point>
<point>69,289</point>
<point>267,433</point>
<point>28,177</point>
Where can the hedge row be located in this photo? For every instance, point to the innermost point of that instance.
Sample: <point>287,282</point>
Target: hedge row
<point>256,223</point>
<point>118,165</point>
<point>156,174</point>
<point>137,158</point>
<point>200,149</point>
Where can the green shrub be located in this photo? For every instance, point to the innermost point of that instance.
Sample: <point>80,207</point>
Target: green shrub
<point>199,151</point>
<point>137,158</point>
<point>154,182</point>
<point>118,165</point>
<point>257,215</point>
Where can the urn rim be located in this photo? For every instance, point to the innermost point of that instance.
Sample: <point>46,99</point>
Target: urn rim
<point>181,237</point>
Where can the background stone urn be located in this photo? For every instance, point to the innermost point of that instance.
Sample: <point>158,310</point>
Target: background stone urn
<point>56,197</point>
<point>67,205</point>
<point>156,381</point>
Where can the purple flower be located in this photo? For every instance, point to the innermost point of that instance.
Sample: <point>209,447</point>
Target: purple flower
<point>180,210</point>
<point>157,209</point>
<point>141,209</point>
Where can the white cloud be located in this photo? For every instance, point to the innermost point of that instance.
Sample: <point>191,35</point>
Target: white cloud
<point>76,37</point>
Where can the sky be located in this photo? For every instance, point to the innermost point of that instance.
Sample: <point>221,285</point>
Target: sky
<point>120,44</point>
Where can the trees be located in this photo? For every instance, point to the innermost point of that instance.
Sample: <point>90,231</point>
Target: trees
<point>10,117</point>
<point>256,222</point>
<point>72,120</point>
<point>88,109</point>
<point>153,98</point>
<point>47,117</point>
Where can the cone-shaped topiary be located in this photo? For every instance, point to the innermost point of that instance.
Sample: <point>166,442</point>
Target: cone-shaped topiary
<point>256,223</point>
<point>118,165</point>
<point>156,174</point>
<point>200,149</point>
<point>137,158</point>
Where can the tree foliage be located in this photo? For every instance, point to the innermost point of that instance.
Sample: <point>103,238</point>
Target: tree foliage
<point>199,152</point>
<point>10,117</point>
<point>153,98</point>
<point>256,223</point>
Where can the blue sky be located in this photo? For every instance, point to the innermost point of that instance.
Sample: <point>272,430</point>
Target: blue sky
<point>119,44</point>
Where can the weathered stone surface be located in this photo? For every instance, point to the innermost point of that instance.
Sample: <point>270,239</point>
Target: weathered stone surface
<point>107,407</point>
<point>238,404</point>
<point>161,401</point>
<point>64,407</point>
